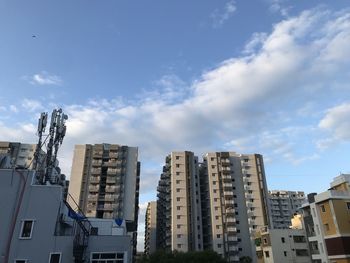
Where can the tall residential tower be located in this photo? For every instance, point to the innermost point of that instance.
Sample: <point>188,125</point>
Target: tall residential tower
<point>105,182</point>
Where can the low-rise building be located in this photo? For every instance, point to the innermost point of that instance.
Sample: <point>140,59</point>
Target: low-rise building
<point>326,218</point>
<point>282,245</point>
<point>38,225</point>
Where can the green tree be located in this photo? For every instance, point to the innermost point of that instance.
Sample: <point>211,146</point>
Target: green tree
<point>206,256</point>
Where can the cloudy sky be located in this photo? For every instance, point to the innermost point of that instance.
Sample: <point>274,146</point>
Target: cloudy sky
<point>264,76</point>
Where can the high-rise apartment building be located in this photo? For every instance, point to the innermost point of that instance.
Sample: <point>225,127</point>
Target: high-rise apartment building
<point>283,205</point>
<point>256,192</point>
<point>224,207</point>
<point>15,154</point>
<point>217,205</point>
<point>179,221</point>
<point>105,182</point>
<point>326,219</point>
<point>150,228</point>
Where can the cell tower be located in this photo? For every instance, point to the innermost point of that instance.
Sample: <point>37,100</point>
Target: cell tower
<point>46,169</point>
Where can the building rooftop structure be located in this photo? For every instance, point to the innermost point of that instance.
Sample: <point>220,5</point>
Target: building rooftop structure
<point>38,225</point>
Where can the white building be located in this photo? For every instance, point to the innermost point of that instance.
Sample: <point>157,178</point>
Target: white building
<point>282,245</point>
<point>37,225</point>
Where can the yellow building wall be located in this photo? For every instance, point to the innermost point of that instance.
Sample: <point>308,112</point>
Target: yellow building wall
<point>327,218</point>
<point>342,214</point>
<point>345,260</point>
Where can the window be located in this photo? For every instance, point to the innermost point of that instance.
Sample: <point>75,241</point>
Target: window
<point>285,253</point>
<point>178,199</point>
<point>265,241</point>
<point>178,217</point>
<point>267,254</point>
<point>299,239</point>
<point>177,157</point>
<point>27,229</point>
<point>217,227</point>
<point>302,252</point>
<point>177,173</point>
<point>348,205</point>
<point>21,261</point>
<point>178,190</point>
<point>326,227</point>
<point>179,207</point>
<point>213,166</point>
<point>283,240</point>
<point>178,226</point>
<point>55,258</point>
<point>179,236</point>
<point>213,174</point>
<point>107,257</point>
<point>218,235</point>
<point>178,245</point>
<point>177,181</point>
<point>219,245</point>
<point>177,165</point>
<point>323,209</point>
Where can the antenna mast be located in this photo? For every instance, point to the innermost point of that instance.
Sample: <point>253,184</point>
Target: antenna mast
<point>56,134</point>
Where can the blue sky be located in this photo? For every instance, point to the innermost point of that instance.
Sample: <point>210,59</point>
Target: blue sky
<point>263,76</point>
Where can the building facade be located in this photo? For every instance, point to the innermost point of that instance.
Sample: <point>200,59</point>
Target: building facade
<point>37,225</point>
<point>326,219</point>
<point>179,221</point>
<point>283,205</point>
<point>224,207</point>
<point>15,154</point>
<point>105,182</point>
<point>150,228</point>
<point>282,245</point>
<point>216,205</point>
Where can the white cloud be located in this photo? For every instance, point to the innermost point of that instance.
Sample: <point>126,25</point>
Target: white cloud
<point>278,6</point>
<point>13,108</point>
<point>219,17</point>
<point>31,105</point>
<point>44,78</point>
<point>337,122</point>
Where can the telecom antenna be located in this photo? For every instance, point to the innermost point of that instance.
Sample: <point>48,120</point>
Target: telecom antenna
<point>57,131</point>
<point>41,129</point>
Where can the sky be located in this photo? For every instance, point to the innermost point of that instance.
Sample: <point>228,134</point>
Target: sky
<point>263,76</point>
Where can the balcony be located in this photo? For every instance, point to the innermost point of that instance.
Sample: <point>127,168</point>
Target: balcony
<point>95,170</point>
<point>111,163</point>
<point>93,189</point>
<point>92,197</point>
<point>111,189</point>
<point>97,154</point>
<point>232,238</point>
<point>231,220</point>
<point>229,202</point>
<point>228,193</point>
<point>95,179</point>
<point>110,198</point>
<point>111,180</point>
<point>109,207</point>
<point>114,155</point>
<point>96,163</point>
<point>113,171</point>
<point>227,185</point>
<point>232,248</point>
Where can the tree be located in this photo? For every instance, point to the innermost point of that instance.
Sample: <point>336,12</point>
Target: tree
<point>206,256</point>
<point>245,260</point>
